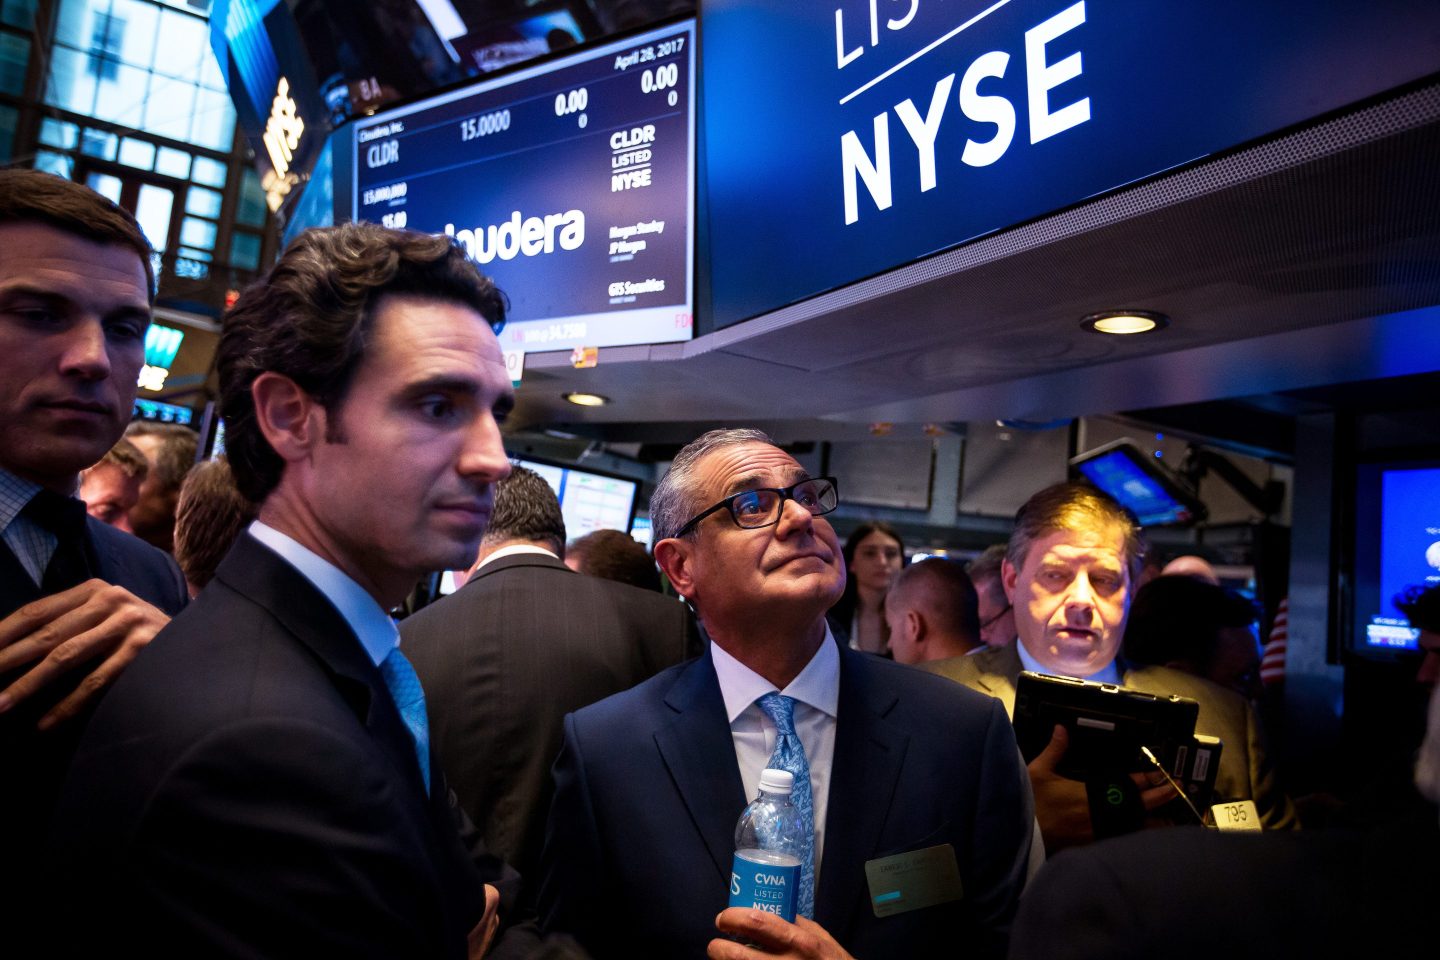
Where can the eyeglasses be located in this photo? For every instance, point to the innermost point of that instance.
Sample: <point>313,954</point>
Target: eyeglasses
<point>752,509</point>
<point>986,624</point>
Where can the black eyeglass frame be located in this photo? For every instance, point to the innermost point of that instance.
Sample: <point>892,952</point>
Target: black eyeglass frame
<point>786,493</point>
<point>986,624</point>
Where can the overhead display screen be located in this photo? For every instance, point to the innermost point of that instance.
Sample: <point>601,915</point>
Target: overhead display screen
<point>1121,470</point>
<point>1397,548</point>
<point>845,139</point>
<point>571,183</point>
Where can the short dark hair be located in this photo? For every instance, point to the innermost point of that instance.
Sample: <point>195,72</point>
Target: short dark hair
<point>209,518</point>
<point>986,569</point>
<point>176,454</point>
<point>1421,606</point>
<point>32,196</point>
<point>1074,507</point>
<point>1179,618</point>
<point>526,508</point>
<point>311,317</point>
<point>615,555</point>
<point>951,598</point>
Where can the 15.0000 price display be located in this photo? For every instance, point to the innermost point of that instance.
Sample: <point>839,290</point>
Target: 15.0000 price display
<point>484,125</point>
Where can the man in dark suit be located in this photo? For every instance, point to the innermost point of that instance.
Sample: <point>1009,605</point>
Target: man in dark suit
<point>78,598</point>
<point>525,641</point>
<point>260,782</point>
<point>888,761</point>
<point>1069,571</point>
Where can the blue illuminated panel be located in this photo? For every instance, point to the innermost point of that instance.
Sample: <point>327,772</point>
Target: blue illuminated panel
<point>847,138</point>
<point>162,343</point>
<point>163,412</point>
<point>571,184</point>
<point>1119,476</point>
<point>1409,550</point>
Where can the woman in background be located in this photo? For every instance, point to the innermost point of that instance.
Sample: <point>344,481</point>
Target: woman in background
<point>874,554</point>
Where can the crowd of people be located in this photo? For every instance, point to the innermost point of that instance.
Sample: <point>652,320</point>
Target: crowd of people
<point>245,754</point>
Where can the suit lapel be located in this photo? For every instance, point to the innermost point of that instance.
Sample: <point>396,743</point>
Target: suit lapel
<point>999,669</point>
<point>264,577</point>
<point>869,754</point>
<point>699,753</point>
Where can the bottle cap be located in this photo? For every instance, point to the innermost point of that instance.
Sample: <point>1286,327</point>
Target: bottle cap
<point>777,781</point>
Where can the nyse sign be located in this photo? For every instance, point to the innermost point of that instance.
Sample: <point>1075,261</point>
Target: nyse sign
<point>874,168</point>
<point>848,137</point>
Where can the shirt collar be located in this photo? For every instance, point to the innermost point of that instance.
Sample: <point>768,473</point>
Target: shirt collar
<point>818,685</point>
<point>516,549</point>
<point>14,494</point>
<point>1109,674</point>
<point>377,632</point>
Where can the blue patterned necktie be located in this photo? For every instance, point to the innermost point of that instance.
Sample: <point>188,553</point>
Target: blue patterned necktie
<point>790,755</point>
<point>410,700</point>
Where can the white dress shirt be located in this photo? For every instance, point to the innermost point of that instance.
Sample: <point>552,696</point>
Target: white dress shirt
<point>816,692</point>
<point>514,550</point>
<point>377,632</point>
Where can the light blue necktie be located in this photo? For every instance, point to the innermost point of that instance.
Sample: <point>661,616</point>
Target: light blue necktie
<point>790,755</point>
<point>410,699</point>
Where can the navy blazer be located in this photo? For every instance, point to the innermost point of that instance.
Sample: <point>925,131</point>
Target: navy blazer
<point>248,789</point>
<point>641,834</point>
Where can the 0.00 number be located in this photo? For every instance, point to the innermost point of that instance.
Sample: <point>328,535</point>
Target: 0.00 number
<point>661,77</point>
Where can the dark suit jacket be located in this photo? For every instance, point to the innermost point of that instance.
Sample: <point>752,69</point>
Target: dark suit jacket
<point>641,836</point>
<point>1245,769</point>
<point>524,642</point>
<point>34,763</point>
<point>248,789</point>
<point>1190,893</point>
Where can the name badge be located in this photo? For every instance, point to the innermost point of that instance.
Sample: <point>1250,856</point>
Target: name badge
<point>910,881</point>
<point>1240,815</point>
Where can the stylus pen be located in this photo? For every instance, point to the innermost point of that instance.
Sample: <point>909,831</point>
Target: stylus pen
<point>1164,773</point>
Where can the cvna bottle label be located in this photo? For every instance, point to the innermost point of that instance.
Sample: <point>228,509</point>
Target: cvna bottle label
<point>765,881</point>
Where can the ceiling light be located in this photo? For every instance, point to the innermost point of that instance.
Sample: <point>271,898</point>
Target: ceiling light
<point>1124,322</point>
<point>587,399</point>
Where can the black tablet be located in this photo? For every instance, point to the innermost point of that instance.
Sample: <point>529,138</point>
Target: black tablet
<point>1107,724</point>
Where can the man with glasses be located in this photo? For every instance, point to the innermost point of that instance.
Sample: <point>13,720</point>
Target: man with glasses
<point>918,816</point>
<point>997,616</point>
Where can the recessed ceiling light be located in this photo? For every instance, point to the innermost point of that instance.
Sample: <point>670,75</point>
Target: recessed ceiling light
<point>1125,322</point>
<point>587,399</point>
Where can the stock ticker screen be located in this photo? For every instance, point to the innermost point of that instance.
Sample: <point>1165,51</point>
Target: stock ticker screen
<point>571,183</point>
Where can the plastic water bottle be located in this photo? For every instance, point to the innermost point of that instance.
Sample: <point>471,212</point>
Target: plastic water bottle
<point>768,842</point>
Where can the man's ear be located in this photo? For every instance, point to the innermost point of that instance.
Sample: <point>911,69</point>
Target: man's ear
<point>291,420</point>
<point>1008,576</point>
<point>916,626</point>
<point>674,557</point>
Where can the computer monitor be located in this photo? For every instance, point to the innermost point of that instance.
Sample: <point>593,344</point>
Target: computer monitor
<point>1396,546</point>
<point>1144,488</point>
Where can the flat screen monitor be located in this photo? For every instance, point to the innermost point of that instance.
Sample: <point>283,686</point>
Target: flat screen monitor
<point>590,500</point>
<point>1123,471</point>
<point>571,183</point>
<point>1397,546</point>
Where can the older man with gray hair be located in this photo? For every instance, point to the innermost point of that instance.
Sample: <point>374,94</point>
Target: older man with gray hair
<point>897,774</point>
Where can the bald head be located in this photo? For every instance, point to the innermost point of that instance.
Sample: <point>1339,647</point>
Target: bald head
<point>1197,568</point>
<point>932,611</point>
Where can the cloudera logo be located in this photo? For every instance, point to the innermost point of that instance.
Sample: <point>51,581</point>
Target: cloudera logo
<point>531,236</point>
